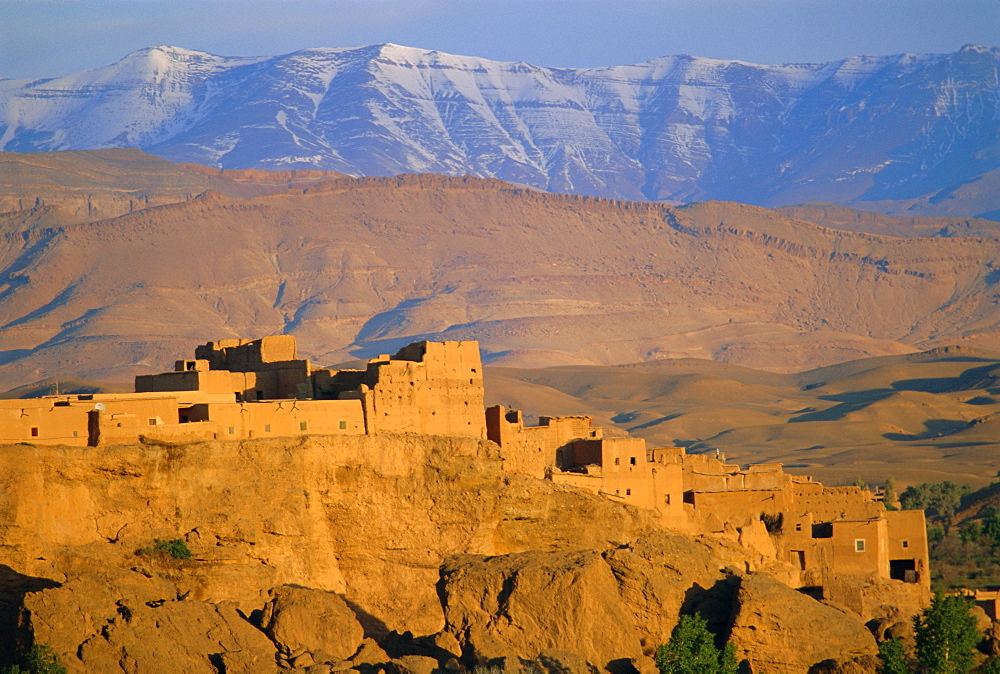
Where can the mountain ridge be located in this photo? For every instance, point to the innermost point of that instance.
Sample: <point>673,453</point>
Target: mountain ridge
<point>904,132</point>
<point>355,267</point>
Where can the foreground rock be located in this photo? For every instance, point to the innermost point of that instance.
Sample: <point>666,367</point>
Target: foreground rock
<point>778,629</point>
<point>311,624</point>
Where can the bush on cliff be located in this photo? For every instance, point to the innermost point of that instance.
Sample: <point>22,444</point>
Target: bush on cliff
<point>692,650</point>
<point>174,547</point>
<point>41,659</point>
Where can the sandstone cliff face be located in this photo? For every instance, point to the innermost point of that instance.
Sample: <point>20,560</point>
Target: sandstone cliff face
<point>369,517</point>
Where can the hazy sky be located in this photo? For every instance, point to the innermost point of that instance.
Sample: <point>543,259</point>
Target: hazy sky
<point>44,38</point>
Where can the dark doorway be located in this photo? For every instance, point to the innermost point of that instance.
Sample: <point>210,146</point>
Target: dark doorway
<point>903,569</point>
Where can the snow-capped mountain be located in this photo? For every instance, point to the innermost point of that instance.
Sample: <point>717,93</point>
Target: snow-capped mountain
<point>901,127</point>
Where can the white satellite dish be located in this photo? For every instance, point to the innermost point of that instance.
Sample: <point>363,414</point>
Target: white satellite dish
<point>100,407</point>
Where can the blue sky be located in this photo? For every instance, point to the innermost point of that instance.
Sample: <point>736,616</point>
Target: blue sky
<point>45,38</point>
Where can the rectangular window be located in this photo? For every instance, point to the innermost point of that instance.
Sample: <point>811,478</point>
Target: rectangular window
<point>343,425</point>
<point>34,431</point>
<point>628,492</point>
<point>152,422</point>
<point>260,395</point>
<point>302,426</point>
<point>666,499</point>
<point>631,460</point>
<point>617,460</point>
<point>76,434</point>
<point>232,430</point>
<point>798,527</point>
<point>267,428</point>
<point>859,545</point>
<point>906,544</point>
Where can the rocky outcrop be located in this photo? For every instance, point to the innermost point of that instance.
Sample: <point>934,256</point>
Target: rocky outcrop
<point>526,603</point>
<point>334,552</point>
<point>778,629</point>
<point>311,625</point>
<point>609,607</point>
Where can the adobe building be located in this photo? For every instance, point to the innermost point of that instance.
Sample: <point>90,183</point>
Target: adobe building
<point>818,530</point>
<point>238,389</point>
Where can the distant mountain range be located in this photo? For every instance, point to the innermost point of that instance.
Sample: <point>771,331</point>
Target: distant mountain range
<point>904,134</point>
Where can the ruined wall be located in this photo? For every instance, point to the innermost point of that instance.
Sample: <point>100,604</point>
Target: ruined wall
<point>533,450</point>
<point>204,381</point>
<point>429,388</point>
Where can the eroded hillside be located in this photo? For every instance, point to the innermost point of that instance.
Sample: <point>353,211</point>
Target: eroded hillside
<point>358,267</point>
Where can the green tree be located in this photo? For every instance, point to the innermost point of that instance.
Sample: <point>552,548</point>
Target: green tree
<point>970,531</point>
<point>692,650</point>
<point>946,635</point>
<point>940,499</point>
<point>991,524</point>
<point>889,496</point>
<point>892,657</point>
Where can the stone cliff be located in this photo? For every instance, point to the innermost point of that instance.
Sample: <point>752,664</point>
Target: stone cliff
<point>312,550</point>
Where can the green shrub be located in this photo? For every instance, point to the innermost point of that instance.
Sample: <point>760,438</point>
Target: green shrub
<point>41,659</point>
<point>174,547</point>
<point>692,650</point>
<point>892,657</point>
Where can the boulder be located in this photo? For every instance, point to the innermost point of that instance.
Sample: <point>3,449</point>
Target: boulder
<point>92,596</point>
<point>189,636</point>
<point>302,621</point>
<point>778,629</point>
<point>553,661</point>
<point>412,664</point>
<point>522,604</point>
<point>661,575</point>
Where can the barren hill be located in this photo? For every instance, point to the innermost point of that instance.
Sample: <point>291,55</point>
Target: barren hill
<point>356,267</point>
<point>918,417</point>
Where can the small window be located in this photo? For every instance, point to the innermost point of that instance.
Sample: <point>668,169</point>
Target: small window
<point>859,545</point>
<point>260,395</point>
<point>906,544</point>
<point>267,428</point>
<point>302,425</point>
<point>798,527</point>
<point>343,425</point>
<point>232,430</point>
<point>152,422</point>
<point>76,434</point>
<point>631,460</point>
<point>34,431</point>
<point>617,460</point>
<point>628,492</point>
<point>239,397</point>
<point>666,499</point>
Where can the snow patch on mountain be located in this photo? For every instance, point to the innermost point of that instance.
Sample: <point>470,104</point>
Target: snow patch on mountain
<point>677,127</point>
